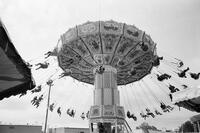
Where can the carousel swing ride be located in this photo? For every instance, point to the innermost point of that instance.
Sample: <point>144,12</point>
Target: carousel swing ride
<point>108,54</point>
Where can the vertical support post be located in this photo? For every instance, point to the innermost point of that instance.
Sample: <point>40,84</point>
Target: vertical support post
<point>198,126</point>
<point>116,126</point>
<point>194,126</point>
<point>47,109</point>
<point>90,127</point>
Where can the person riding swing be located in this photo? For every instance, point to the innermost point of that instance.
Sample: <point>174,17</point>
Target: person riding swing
<point>195,75</point>
<point>173,88</point>
<point>129,115</point>
<point>83,115</point>
<point>156,61</point>
<point>182,74</point>
<point>42,65</point>
<point>59,111</point>
<point>143,115</point>
<point>163,77</point>
<point>150,113</point>
<point>157,112</point>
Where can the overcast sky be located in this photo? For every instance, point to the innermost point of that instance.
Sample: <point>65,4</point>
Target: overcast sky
<point>36,25</point>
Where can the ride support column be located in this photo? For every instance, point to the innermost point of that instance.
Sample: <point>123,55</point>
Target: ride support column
<point>106,111</point>
<point>106,92</point>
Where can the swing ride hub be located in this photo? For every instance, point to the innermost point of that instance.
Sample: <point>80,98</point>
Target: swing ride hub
<point>119,45</point>
<point>106,54</point>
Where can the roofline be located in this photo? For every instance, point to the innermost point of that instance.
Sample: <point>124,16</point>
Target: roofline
<point>22,125</point>
<point>69,128</point>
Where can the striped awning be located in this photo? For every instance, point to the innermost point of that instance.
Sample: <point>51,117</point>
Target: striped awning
<point>15,76</point>
<point>195,118</point>
<point>189,99</point>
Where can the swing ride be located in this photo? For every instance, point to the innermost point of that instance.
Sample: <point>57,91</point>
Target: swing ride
<point>108,55</point>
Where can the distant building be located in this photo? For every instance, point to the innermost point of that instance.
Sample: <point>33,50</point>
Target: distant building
<point>196,122</point>
<point>69,130</point>
<point>20,129</point>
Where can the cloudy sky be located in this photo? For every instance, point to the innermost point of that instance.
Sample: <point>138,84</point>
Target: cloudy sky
<point>35,27</point>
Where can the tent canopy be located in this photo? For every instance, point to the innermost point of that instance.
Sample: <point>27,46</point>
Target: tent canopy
<point>15,76</point>
<point>195,118</point>
<point>189,99</point>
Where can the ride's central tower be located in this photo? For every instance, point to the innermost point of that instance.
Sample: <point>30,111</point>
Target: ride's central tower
<point>106,92</point>
<point>106,54</point>
<point>106,112</point>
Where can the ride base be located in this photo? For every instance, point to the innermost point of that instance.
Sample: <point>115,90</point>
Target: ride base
<point>106,115</point>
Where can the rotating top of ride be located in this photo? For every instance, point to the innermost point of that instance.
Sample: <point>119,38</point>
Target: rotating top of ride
<point>119,45</point>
